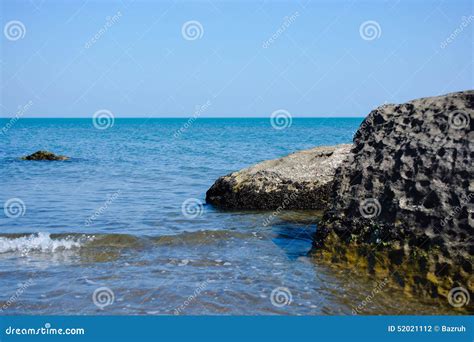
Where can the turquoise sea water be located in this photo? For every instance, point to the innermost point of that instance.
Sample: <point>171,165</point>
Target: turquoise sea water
<point>112,219</point>
<point>154,170</point>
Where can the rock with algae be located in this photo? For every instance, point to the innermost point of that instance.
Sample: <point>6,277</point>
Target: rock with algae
<point>403,200</point>
<point>301,180</point>
<point>44,155</point>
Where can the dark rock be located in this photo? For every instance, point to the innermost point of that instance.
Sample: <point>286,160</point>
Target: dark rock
<point>406,190</point>
<point>301,180</point>
<point>44,155</point>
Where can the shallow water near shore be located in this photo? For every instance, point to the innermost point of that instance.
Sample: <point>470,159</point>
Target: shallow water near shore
<point>111,217</point>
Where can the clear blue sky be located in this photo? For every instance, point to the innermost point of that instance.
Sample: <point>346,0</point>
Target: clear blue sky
<point>318,66</point>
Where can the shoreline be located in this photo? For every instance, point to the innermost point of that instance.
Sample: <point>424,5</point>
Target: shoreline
<point>385,208</point>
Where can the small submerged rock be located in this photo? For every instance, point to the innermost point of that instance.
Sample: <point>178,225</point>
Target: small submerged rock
<point>44,155</point>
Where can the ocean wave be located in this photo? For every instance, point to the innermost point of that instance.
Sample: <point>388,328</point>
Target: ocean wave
<point>40,242</point>
<point>100,243</point>
<point>201,237</point>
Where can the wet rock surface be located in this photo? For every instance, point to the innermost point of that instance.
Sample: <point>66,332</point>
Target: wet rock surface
<point>403,199</point>
<point>301,180</point>
<point>44,155</point>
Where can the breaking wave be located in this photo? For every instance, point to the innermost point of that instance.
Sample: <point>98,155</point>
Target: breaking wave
<point>45,242</point>
<point>39,242</point>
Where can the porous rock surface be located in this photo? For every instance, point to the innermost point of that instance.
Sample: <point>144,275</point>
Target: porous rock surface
<point>301,180</point>
<point>403,198</point>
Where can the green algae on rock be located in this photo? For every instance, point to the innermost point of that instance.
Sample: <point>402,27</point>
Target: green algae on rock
<point>44,155</point>
<point>402,200</point>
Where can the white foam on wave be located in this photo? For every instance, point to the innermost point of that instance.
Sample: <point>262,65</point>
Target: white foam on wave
<point>40,242</point>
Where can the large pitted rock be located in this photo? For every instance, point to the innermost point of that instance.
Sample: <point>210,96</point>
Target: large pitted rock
<point>44,155</point>
<point>301,180</point>
<point>403,199</point>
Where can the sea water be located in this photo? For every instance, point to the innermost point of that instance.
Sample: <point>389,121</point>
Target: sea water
<point>122,227</point>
